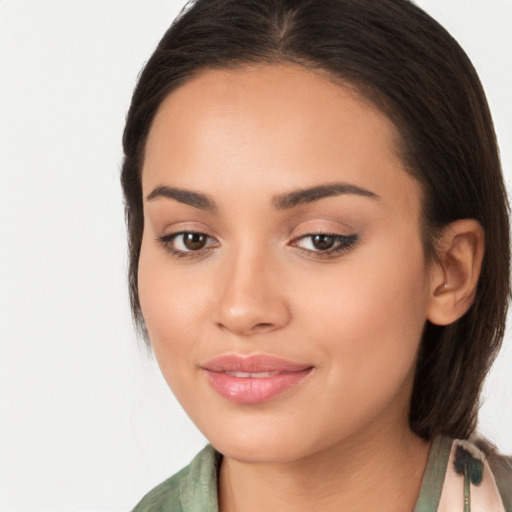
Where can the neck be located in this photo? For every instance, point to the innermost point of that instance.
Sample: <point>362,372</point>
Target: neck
<point>378,470</point>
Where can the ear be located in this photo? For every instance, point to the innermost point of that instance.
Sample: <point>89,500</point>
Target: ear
<point>454,276</point>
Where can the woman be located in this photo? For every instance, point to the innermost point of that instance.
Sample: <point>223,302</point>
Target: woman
<point>319,249</point>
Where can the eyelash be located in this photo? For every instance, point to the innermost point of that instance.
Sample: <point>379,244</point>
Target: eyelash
<point>342,244</point>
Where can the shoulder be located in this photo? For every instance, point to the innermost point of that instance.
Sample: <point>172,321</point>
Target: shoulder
<point>165,496</point>
<point>501,467</point>
<point>194,486</point>
<point>460,472</point>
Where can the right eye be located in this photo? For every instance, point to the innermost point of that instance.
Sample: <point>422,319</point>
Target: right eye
<point>187,243</point>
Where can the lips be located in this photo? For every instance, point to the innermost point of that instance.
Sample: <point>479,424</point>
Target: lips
<point>253,379</point>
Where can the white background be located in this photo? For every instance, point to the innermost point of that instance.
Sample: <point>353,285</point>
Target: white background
<point>86,421</point>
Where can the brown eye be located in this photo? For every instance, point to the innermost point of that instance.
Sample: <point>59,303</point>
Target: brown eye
<point>188,243</point>
<point>194,241</point>
<point>325,245</point>
<point>322,242</point>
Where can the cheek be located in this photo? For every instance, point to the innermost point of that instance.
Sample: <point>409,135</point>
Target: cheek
<point>368,328</point>
<point>171,301</point>
<point>372,313</point>
<point>172,305</point>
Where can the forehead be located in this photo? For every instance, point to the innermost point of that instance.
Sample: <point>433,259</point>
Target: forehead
<point>285,124</point>
<point>265,96</point>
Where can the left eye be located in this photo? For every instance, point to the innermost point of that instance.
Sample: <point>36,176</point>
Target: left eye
<point>324,242</point>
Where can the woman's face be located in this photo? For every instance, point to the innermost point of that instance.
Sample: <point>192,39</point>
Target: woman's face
<point>282,276</point>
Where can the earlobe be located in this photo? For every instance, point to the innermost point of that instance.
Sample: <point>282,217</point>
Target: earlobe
<point>454,278</point>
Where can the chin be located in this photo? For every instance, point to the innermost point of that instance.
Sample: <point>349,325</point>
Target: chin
<point>258,451</point>
<point>269,442</point>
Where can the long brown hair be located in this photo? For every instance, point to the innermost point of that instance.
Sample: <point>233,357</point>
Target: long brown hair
<point>415,72</point>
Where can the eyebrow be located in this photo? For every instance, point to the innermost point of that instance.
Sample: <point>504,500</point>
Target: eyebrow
<point>195,199</point>
<point>280,202</point>
<point>312,194</point>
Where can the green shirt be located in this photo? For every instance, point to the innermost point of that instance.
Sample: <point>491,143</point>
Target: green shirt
<point>194,488</point>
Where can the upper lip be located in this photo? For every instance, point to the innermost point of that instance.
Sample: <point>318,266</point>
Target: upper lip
<point>252,364</point>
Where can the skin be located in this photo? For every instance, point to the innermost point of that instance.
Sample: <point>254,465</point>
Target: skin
<point>259,286</point>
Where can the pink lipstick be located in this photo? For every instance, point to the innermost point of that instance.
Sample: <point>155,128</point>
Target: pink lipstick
<point>253,379</point>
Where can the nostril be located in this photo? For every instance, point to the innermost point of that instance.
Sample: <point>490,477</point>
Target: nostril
<point>262,325</point>
<point>243,328</point>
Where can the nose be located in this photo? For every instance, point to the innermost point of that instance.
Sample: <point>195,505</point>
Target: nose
<point>252,298</point>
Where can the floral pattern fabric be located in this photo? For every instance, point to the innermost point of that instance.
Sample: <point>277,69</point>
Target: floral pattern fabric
<point>469,484</point>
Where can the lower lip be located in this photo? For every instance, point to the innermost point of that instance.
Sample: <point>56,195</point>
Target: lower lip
<point>251,390</point>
